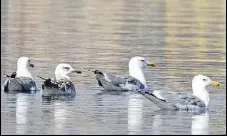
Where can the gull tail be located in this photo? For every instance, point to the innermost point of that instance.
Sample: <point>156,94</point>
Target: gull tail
<point>160,102</point>
<point>13,75</point>
<point>5,75</point>
<point>42,78</point>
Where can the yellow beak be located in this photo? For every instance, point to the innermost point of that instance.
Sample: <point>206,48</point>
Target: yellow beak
<point>151,64</point>
<point>214,83</point>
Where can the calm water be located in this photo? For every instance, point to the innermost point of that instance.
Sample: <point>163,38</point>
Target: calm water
<point>184,38</point>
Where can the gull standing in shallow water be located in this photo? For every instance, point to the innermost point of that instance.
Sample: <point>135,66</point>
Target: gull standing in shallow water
<point>135,82</point>
<point>62,84</point>
<point>199,100</point>
<point>21,80</point>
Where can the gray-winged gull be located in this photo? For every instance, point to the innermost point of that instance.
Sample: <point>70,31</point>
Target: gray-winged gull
<point>199,100</point>
<point>21,80</point>
<point>135,82</point>
<point>62,84</point>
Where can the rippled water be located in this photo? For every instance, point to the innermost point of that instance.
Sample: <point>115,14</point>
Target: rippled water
<point>183,38</point>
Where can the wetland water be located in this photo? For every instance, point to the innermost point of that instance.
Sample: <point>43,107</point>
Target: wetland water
<point>183,38</point>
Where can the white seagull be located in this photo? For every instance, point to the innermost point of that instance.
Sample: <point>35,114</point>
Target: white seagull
<point>62,84</point>
<point>198,100</point>
<point>21,80</point>
<point>134,82</point>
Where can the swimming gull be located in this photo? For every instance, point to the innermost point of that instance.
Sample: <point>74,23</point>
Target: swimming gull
<point>134,82</point>
<point>62,84</point>
<point>199,100</point>
<point>21,80</point>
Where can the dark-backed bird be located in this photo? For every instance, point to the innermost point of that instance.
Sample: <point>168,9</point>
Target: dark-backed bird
<point>134,82</point>
<point>21,81</point>
<point>62,84</point>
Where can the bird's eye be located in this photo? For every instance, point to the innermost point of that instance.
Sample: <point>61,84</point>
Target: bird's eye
<point>142,60</point>
<point>66,68</point>
<point>204,79</point>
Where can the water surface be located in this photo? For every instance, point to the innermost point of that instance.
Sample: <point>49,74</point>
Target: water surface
<point>183,38</point>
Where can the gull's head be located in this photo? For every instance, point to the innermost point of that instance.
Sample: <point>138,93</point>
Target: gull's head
<point>63,71</point>
<point>199,84</point>
<point>136,66</point>
<point>139,63</point>
<point>23,64</point>
<point>203,81</point>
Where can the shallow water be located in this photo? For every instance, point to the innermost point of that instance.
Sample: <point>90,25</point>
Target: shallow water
<point>183,38</point>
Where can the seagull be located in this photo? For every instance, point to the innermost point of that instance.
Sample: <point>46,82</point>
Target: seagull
<point>198,100</point>
<point>21,80</point>
<point>62,84</point>
<point>134,82</point>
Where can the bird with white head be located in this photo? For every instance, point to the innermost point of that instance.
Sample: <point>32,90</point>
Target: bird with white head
<point>21,80</point>
<point>136,66</point>
<point>135,82</point>
<point>62,84</point>
<point>63,71</point>
<point>23,64</point>
<point>198,100</point>
<point>199,84</point>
